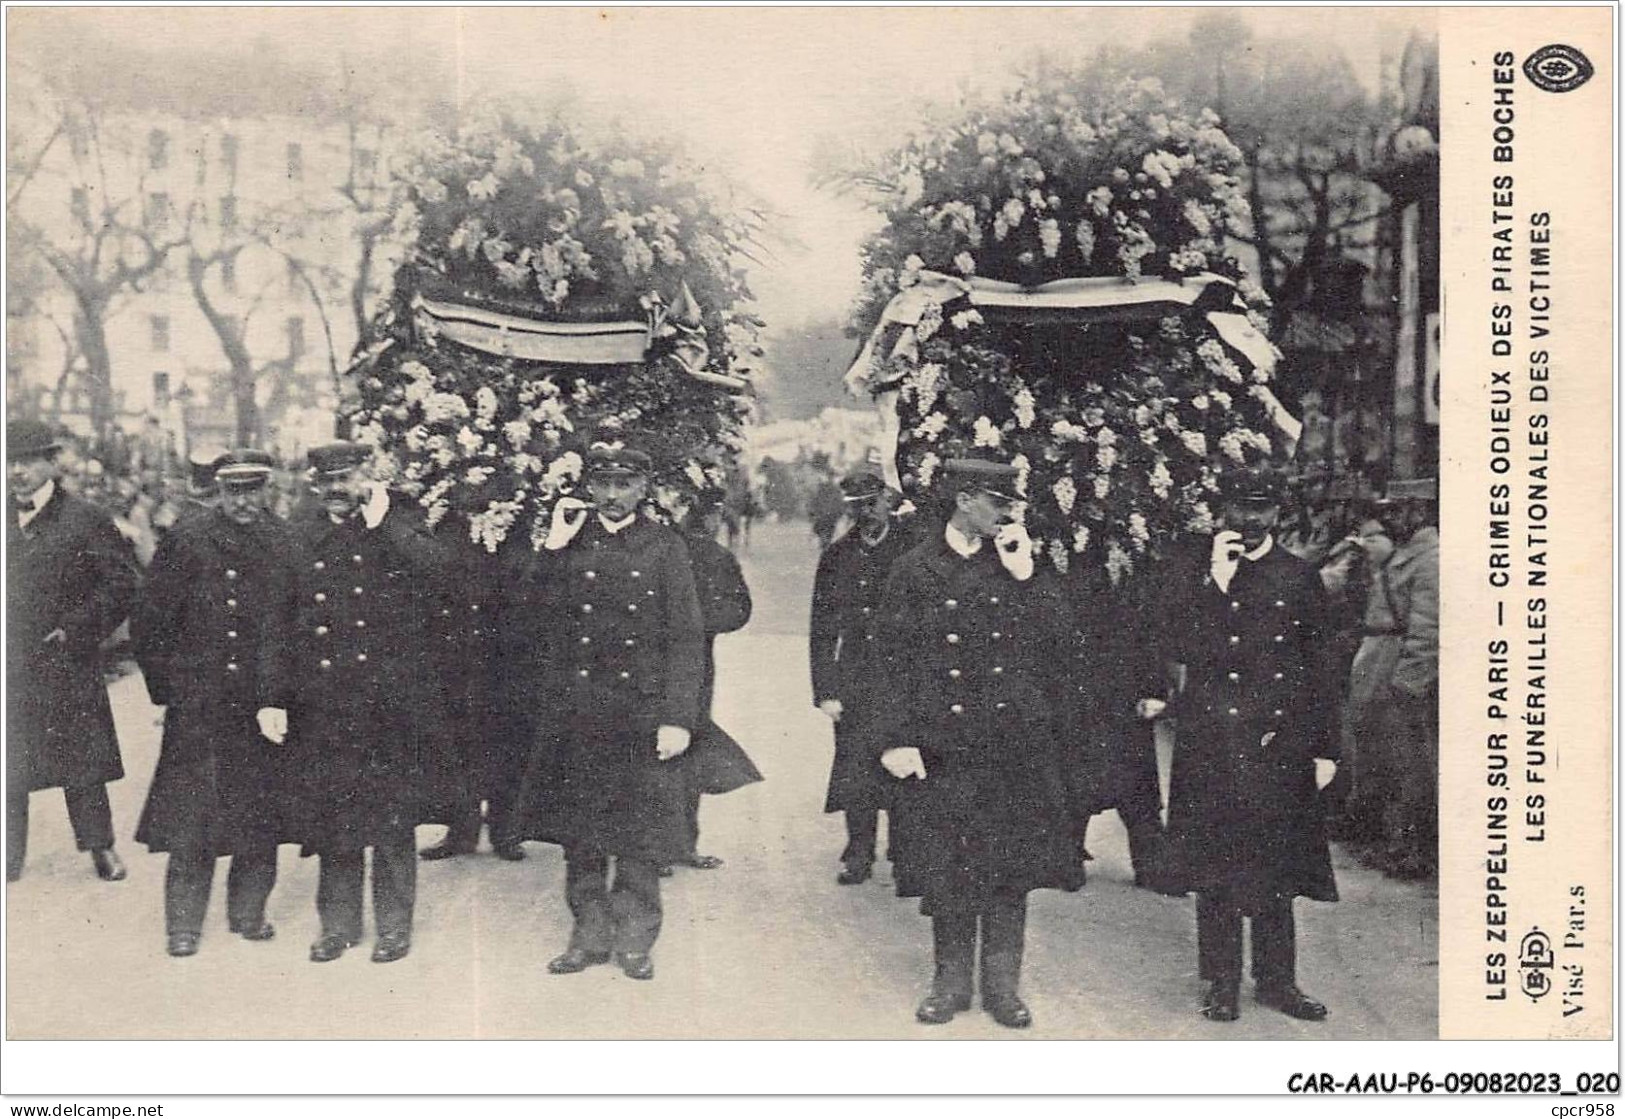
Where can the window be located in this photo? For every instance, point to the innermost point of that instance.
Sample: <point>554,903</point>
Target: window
<point>228,274</point>
<point>296,162</point>
<point>78,142</point>
<point>228,155</point>
<point>80,204</point>
<point>160,388</point>
<point>160,333</point>
<point>228,211</point>
<point>296,281</point>
<point>158,211</point>
<point>158,149</point>
<point>296,338</point>
<point>366,164</point>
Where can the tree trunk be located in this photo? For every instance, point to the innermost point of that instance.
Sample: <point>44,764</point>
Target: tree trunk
<point>238,359</point>
<point>91,327</point>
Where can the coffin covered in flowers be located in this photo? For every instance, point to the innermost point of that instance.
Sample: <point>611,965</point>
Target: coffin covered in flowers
<point>1055,281</point>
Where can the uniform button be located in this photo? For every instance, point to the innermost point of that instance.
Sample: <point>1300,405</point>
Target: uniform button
<point>630,642</point>
<point>1235,639</point>
<point>954,674</point>
<point>361,658</point>
<point>951,603</point>
<point>326,664</point>
<point>1280,637</point>
<point>1233,711</point>
<point>321,631</point>
<point>1297,622</point>
<point>231,602</point>
<point>998,670</point>
<point>356,591</point>
<point>586,640</point>
<point>231,633</point>
<point>867,610</point>
<point>631,608</point>
<point>1278,602</point>
<point>582,673</point>
<point>1280,676</point>
<point>637,574</point>
<point>361,623</point>
<point>868,637</point>
<point>231,573</point>
<point>1233,677</point>
<point>996,635</point>
<point>319,565</point>
<point>355,559</point>
<point>994,599</point>
<point>626,675</point>
<point>953,639</point>
<point>321,596</point>
<point>586,608</point>
<point>1000,706</point>
<point>1234,605</point>
<point>474,606</point>
<point>863,582</point>
<point>651,593</point>
<point>231,668</point>
<point>1277,712</point>
<point>589,574</point>
<point>957,708</point>
<point>445,612</point>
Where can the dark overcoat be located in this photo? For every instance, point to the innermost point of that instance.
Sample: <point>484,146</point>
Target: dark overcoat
<point>1244,813</point>
<point>715,763</point>
<point>619,651</point>
<point>975,684</point>
<point>844,652</point>
<point>220,786</point>
<point>350,659</point>
<point>72,570</point>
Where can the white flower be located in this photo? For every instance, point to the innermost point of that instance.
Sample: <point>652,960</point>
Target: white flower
<point>468,440</point>
<point>1100,201</point>
<point>517,433</point>
<point>1161,481</point>
<point>928,468</point>
<point>1094,417</point>
<point>1201,519</point>
<point>478,475</point>
<point>443,406</point>
<point>1161,166</point>
<point>1138,533</point>
<point>1148,436</point>
<point>1049,235</point>
<point>1232,445</point>
<point>1118,561</point>
<point>485,404</point>
<point>484,188</point>
<point>910,275</point>
<point>1106,458</point>
<point>1197,217</point>
<point>561,471</point>
<point>1195,442</point>
<point>985,434</point>
<point>1080,538</point>
<point>1106,437</point>
<point>1026,408</point>
<point>932,426</point>
<point>1058,556</point>
<point>963,320</point>
<point>1023,472</point>
<point>966,264</point>
<point>1068,432</point>
<point>695,473</point>
<point>1103,486</point>
<point>1200,402</point>
<point>1221,398</point>
<point>1086,240</point>
<point>1142,415</point>
<point>927,385</point>
<point>1066,494</point>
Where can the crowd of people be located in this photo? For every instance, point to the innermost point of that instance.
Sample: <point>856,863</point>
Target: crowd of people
<point>337,675</point>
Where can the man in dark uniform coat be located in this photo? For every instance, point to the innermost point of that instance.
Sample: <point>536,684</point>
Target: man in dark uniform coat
<point>621,648</point>
<point>1256,739</point>
<point>715,763</point>
<point>971,731</point>
<point>71,577</point>
<point>477,714</point>
<point>219,786</point>
<point>349,685</point>
<point>849,680</point>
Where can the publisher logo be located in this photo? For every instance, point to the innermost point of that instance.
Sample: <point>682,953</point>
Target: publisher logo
<point>1558,68</point>
<point>1535,962</point>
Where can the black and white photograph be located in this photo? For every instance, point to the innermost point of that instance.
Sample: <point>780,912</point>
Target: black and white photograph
<point>714,524</point>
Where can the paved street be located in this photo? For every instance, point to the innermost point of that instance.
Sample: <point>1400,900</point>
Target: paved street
<point>768,946</point>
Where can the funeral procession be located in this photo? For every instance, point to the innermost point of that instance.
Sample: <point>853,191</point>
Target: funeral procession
<point>970,575</point>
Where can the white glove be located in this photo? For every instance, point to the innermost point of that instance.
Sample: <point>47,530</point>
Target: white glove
<point>569,514</point>
<point>372,513</point>
<point>1226,554</point>
<point>1150,708</point>
<point>1015,550</point>
<point>832,708</point>
<point>670,742</point>
<point>273,723</point>
<point>903,761</point>
<point>1325,770</point>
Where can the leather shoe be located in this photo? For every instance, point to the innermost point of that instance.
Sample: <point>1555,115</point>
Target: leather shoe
<point>854,875</point>
<point>702,862</point>
<point>1293,1003</point>
<point>183,944</point>
<point>330,946</point>
<point>391,947</point>
<point>1221,1004</point>
<point>444,850</point>
<point>109,867</point>
<point>664,870</point>
<point>576,959</point>
<point>510,853</point>
<point>637,965</point>
<point>1008,1011</point>
<point>938,1008</point>
<point>259,930</point>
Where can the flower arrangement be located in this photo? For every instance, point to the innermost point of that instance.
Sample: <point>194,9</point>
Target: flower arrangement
<point>543,223</point>
<point>1121,422</point>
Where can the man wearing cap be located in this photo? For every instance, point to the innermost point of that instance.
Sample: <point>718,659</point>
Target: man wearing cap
<point>620,663</point>
<point>849,679</point>
<point>1394,685</point>
<point>970,734</point>
<point>200,490</point>
<point>220,786</point>
<point>349,687</point>
<point>71,577</point>
<point>1256,740</point>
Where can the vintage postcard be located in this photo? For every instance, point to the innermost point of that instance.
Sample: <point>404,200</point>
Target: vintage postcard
<point>816,525</point>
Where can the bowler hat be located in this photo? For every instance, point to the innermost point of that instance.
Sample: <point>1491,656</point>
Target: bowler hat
<point>27,439</point>
<point>338,458</point>
<point>611,458</point>
<point>987,475</point>
<point>244,468</point>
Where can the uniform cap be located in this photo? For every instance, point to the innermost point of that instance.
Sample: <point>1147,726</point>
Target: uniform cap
<point>1259,484</point>
<point>338,458</point>
<point>987,475</point>
<point>244,468</point>
<point>862,484</point>
<point>609,458</point>
<point>201,465</point>
<point>26,439</point>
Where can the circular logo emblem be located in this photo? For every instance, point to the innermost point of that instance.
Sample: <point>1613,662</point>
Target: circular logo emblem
<point>1558,68</point>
